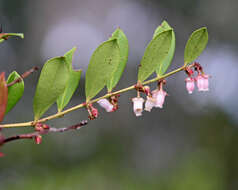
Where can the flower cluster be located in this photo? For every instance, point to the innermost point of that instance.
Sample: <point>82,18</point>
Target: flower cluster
<point>154,99</point>
<point>201,79</point>
<point>157,97</point>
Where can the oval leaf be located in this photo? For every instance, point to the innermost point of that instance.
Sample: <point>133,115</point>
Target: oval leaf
<point>103,63</point>
<point>3,96</point>
<point>195,45</point>
<point>15,91</point>
<point>52,82</point>
<point>72,84</point>
<point>124,48</point>
<point>162,68</point>
<point>154,55</point>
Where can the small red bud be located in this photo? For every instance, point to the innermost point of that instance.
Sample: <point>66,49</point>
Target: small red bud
<point>39,127</point>
<point>38,139</point>
<point>147,90</point>
<point>1,154</point>
<point>94,112</point>
<point>44,126</point>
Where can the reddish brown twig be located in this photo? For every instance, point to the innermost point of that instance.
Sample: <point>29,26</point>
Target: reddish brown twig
<point>24,75</point>
<point>42,132</point>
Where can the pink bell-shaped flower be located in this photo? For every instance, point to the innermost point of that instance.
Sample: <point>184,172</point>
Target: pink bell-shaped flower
<point>190,84</point>
<point>106,105</point>
<point>149,104</point>
<point>202,82</point>
<point>138,105</point>
<point>159,96</point>
<point>205,82</point>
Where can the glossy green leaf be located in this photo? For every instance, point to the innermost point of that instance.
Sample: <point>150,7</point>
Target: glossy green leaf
<point>195,45</point>
<point>103,63</point>
<point>124,48</point>
<point>52,82</point>
<point>155,53</point>
<point>72,83</point>
<point>3,96</point>
<point>162,68</point>
<point>15,91</point>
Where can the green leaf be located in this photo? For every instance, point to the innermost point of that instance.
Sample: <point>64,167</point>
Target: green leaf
<point>70,88</point>
<point>124,48</point>
<point>52,82</point>
<point>162,68</point>
<point>72,83</point>
<point>195,45</point>
<point>69,57</point>
<point>155,53</point>
<point>103,63</point>
<point>3,96</point>
<point>161,28</point>
<point>15,91</point>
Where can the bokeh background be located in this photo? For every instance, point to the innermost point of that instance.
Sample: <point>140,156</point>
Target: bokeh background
<point>190,144</point>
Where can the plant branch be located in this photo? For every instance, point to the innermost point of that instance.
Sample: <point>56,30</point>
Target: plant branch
<point>44,131</point>
<point>60,114</point>
<point>24,75</point>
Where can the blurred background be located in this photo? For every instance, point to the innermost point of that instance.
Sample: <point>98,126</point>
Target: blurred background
<point>190,144</point>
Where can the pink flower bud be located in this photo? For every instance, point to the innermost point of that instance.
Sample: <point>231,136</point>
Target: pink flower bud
<point>106,105</point>
<point>149,104</point>
<point>147,90</point>
<point>94,112</point>
<point>38,139</point>
<point>138,105</point>
<point>190,84</point>
<point>159,96</point>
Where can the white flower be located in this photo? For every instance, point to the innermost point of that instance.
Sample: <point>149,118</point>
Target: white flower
<point>159,96</point>
<point>149,104</point>
<point>138,105</point>
<point>104,103</point>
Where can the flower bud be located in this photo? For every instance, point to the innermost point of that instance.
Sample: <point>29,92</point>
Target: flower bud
<point>147,90</point>
<point>138,105</point>
<point>94,112</point>
<point>106,105</point>
<point>190,84</point>
<point>38,139</point>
